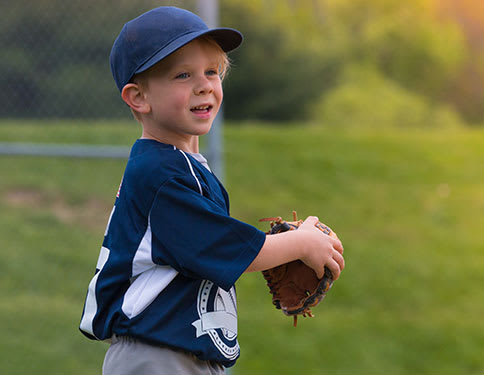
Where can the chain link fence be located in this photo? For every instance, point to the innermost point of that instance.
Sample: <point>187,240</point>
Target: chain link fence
<point>55,56</point>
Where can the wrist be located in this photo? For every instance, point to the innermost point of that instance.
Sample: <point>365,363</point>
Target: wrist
<point>302,245</point>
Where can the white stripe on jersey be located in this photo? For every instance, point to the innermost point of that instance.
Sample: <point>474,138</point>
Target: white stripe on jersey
<point>142,259</point>
<point>191,170</point>
<point>150,279</point>
<point>145,288</point>
<point>90,308</point>
<point>109,221</point>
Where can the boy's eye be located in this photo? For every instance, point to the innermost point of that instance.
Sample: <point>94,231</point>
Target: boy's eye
<point>212,72</point>
<point>182,75</point>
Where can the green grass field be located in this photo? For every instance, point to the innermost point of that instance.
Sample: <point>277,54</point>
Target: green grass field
<point>408,206</point>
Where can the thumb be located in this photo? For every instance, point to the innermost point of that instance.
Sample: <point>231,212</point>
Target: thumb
<point>310,221</point>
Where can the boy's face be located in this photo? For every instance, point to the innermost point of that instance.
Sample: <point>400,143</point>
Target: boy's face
<point>184,93</point>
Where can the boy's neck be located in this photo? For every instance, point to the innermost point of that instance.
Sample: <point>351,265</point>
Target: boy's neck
<point>188,145</point>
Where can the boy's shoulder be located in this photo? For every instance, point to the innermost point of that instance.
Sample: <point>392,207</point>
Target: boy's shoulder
<point>152,163</point>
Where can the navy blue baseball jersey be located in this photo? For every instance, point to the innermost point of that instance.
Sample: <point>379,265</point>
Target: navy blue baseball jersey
<point>170,258</point>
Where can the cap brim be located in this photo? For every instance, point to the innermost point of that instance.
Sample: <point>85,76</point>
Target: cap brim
<point>228,39</point>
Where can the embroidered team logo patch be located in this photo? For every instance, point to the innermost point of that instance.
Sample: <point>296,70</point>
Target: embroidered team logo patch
<point>217,310</point>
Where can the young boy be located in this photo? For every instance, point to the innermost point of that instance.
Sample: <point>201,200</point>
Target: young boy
<point>163,291</point>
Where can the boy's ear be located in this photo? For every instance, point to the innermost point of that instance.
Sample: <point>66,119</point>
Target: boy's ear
<point>134,97</point>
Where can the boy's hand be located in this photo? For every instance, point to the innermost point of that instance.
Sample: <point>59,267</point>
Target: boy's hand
<point>292,251</point>
<point>320,249</point>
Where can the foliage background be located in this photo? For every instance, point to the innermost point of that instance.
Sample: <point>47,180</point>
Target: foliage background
<point>293,65</point>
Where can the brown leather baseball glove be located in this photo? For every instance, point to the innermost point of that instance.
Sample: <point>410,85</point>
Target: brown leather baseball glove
<point>294,286</point>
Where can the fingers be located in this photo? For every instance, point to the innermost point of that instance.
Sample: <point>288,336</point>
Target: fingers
<point>336,264</point>
<point>337,245</point>
<point>334,268</point>
<point>320,272</point>
<point>339,259</point>
<point>333,249</point>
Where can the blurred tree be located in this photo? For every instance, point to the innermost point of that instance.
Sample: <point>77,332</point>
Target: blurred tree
<point>295,51</point>
<point>466,91</point>
<point>274,76</point>
<point>55,54</point>
<point>366,98</point>
<point>405,40</point>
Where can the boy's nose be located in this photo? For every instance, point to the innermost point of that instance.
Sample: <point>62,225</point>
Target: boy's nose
<point>203,86</point>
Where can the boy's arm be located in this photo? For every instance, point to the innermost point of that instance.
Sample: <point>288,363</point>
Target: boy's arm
<point>308,244</point>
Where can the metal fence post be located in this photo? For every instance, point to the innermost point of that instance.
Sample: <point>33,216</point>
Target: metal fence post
<point>208,10</point>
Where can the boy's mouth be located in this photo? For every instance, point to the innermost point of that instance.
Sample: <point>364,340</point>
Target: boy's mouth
<point>202,109</point>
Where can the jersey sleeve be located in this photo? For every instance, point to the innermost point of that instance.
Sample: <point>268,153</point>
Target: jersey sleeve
<point>196,236</point>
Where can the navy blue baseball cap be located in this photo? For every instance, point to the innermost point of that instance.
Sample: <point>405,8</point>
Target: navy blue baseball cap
<point>149,38</point>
